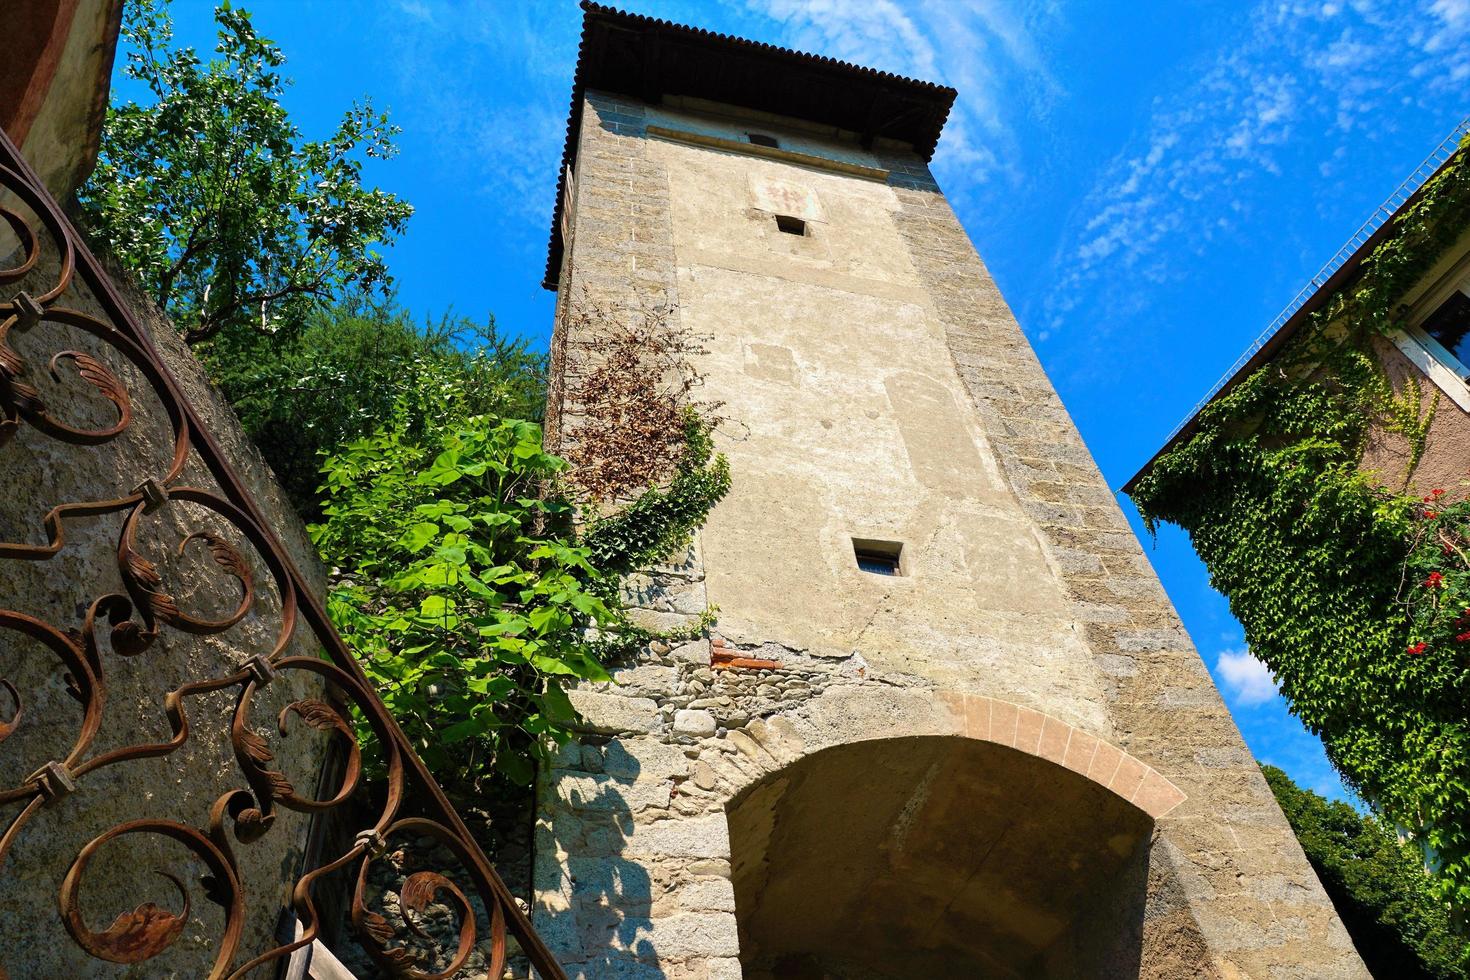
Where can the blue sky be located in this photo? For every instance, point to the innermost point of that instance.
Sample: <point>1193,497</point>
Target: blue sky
<point>1149,183</point>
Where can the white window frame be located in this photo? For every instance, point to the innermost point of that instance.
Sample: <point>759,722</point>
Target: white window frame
<point>1429,355</point>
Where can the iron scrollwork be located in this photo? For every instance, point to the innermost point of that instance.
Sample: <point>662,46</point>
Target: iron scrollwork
<point>126,624</point>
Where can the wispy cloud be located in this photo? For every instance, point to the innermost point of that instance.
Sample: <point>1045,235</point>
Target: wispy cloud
<point>1300,74</point>
<point>1247,681</point>
<point>488,89</point>
<point>417,9</point>
<point>987,49</point>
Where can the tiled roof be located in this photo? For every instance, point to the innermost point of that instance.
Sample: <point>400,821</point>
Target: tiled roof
<point>647,58</point>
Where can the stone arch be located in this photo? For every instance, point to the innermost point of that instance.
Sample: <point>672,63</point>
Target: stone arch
<point>935,856</point>
<point>905,828</point>
<point>1046,737</point>
<point>853,714</point>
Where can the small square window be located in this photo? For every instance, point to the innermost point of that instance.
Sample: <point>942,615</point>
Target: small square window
<point>761,139</point>
<point>1450,326</point>
<point>878,557</point>
<point>790,225</point>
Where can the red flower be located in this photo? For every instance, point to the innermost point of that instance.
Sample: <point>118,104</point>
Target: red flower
<point>1434,581</point>
<point>1434,495</point>
<point>1430,515</point>
<point>1464,637</point>
<point>1419,647</point>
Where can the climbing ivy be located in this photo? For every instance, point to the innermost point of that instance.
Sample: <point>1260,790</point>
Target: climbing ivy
<point>476,576</point>
<point>1352,591</point>
<point>661,520</point>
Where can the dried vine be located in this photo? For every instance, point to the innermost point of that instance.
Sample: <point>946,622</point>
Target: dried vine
<point>631,380</point>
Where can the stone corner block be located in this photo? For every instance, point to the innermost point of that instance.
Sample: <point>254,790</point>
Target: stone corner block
<point>613,714</point>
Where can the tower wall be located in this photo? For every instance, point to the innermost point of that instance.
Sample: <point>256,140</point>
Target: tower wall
<point>876,387</point>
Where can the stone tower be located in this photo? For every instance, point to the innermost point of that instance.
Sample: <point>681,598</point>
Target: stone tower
<point>947,723</point>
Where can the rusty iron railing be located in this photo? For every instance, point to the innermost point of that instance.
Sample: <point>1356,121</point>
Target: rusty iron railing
<point>128,624</point>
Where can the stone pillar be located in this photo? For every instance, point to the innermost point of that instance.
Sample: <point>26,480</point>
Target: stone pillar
<point>54,82</point>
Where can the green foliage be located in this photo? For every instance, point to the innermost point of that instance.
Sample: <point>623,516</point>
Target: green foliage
<point>464,603</point>
<point>211,197</point>
<point>1377,884</point>
<point>1320,562</point>
<point>302,393</point>
<point>464,592</point>
<point>461,583</point>
<point>661,520</point>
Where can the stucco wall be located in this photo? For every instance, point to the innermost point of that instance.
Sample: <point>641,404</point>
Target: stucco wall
<point>849,420</point>
<point>1445,463</point>
<point>40,472</point>
<point>877,387</point>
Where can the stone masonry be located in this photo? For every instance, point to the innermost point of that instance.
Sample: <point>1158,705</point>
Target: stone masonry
<point>1019,713</point>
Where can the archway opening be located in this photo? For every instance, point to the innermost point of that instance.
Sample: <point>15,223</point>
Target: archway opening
<point>936,857</point>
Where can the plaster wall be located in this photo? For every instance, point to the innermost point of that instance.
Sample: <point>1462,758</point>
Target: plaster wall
<point>1445,462</point>
<point>876,386</point>
<point>848,420</point>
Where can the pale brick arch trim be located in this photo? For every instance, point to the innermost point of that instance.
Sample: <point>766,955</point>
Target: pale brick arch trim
<point>845,716</point>
<point>1045,737</point>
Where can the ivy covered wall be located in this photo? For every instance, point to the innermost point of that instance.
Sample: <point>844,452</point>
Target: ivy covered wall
<point>1354,590</point>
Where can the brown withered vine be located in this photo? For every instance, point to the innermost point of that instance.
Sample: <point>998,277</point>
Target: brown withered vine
<point>629,385</point>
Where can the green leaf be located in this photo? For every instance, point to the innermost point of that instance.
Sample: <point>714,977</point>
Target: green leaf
<point>418,536</point>
<point>436,607</point>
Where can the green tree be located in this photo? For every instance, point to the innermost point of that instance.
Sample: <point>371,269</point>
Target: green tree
<point>461,591</point>
<point>211,197</point>
<point>1377,884</point>
<point>466,593</point>
<point>303,393</point>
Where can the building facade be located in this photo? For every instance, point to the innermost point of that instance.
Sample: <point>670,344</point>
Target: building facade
<point>1325,485</point>
<point>946,722</point>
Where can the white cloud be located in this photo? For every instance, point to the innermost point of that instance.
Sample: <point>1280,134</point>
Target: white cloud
<point>986,49</point>
<point>1324,76</point>
<point>1247,680</point>
<point>417,9</point>
<point>1449,34</point>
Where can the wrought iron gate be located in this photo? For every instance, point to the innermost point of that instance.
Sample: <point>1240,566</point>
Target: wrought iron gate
<point>73,381</point>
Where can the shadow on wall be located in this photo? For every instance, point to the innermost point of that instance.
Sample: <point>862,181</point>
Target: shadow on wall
<point>600,922</point>
<point>935,855</point>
